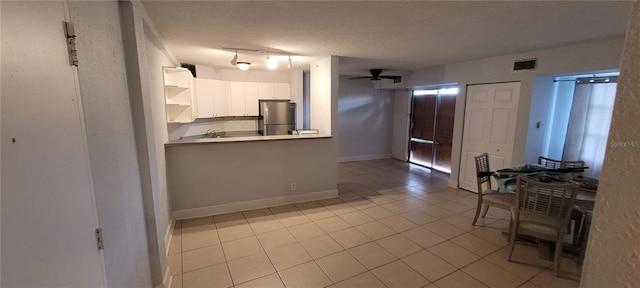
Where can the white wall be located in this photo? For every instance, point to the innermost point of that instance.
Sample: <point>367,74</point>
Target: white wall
<point>559,112</point>
<point>149,122</point>
<point>321,93</point>
<point>541,100</point>
<point>401,120</point>
<point>593,56</point>
<point>242,76</point>
<point>111,143</point>
<point>156,58</point>
<point>365,121</point>
<point>613,253</point>
<point>297,87</point>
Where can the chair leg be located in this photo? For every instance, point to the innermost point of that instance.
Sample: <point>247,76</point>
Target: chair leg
<point>486,209</point>
<point>478,208</point>
<point>512,237</point>
<point>558,256</point>
<point>510,229</point>
<point>577,230</point>
<point>512,240</point>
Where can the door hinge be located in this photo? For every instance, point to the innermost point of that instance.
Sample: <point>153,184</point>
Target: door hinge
<point>99,239</point>
<point>71,43</point>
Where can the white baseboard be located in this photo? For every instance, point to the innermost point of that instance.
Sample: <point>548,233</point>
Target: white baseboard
<point>252,204</point>
<point>169,234</point>
<point>363,158</point>
<point>166,280</point>
<point>452,183</point>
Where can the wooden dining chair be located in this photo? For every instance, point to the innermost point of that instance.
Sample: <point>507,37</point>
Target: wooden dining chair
<point>577,214</point>
<point>542,210</point>
<point>486,195</point>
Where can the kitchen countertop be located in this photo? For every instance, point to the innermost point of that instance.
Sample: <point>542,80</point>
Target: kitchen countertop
<point>245,139</point>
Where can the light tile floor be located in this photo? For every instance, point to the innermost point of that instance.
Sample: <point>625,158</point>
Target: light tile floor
<point>393,225</point>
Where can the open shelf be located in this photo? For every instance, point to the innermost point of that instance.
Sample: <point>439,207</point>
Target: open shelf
<point>178,95</point>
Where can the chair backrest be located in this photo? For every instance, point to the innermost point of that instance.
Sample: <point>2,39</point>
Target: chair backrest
<point>546,199</point>
<point>557,164</point>
<point>482,165</point>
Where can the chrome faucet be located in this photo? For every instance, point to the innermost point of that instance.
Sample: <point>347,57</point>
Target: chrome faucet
<point>210,134</point>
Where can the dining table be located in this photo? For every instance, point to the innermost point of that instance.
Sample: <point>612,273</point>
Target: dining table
<point>584,203</point>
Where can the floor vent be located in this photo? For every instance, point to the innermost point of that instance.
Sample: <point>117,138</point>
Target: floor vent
<point>529,64</point>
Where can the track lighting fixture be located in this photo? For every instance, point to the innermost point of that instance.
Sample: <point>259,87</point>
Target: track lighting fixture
<point>234,60</point>
<point>272,62</point>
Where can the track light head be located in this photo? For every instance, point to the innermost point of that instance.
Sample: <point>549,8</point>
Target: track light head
<point>272,63</point>
<point>234,60</point>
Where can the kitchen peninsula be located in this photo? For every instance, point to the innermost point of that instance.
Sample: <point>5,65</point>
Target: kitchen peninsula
<point>245,138</point>
<point>211,176</point>
<point>221,175</point>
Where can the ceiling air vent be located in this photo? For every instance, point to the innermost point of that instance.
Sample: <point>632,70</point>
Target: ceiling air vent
<point>529,64</point>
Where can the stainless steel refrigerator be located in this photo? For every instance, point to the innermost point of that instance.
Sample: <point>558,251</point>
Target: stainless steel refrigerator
<point>277,117</point>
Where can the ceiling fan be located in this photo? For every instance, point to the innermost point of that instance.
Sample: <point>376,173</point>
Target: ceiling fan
<point>375,75</point>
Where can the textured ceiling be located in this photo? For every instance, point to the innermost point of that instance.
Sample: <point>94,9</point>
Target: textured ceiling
<point>393,35</point>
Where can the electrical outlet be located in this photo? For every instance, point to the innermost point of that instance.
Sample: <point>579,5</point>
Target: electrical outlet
<point>293,186</point>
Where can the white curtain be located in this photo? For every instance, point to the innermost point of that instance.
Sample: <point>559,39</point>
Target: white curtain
<point>589,123</point>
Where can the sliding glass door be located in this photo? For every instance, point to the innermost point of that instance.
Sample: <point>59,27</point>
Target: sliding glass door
<point>432,115</point>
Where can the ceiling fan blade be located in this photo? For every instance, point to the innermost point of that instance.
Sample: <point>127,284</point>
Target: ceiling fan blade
<point>396,79</point>
<point>361,77</point>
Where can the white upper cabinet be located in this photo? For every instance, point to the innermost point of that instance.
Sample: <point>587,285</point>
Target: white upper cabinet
<point>236,93</point>
<point>266,91</point>
<point>251,98</point>
<point>179,95</point>
<point>217,98</point>
<point>280,91</point>
<point>204,97</point>
<point>244,98</point>
<point>221,101</point>
<point>212,98</point>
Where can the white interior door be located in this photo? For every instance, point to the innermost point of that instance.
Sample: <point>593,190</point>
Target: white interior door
<point>48,209</point>
<point>489,126</point>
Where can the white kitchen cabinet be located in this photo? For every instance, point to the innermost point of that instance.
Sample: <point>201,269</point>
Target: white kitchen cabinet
<point>244,98</point>
<point>236,93</point>
<point>266,91</point>
<point>221,101</point>
<point>178,95</point>
<point>212,98</point>
<point>251,98</point>
<point>204,98</point>
<point>281,91</point>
